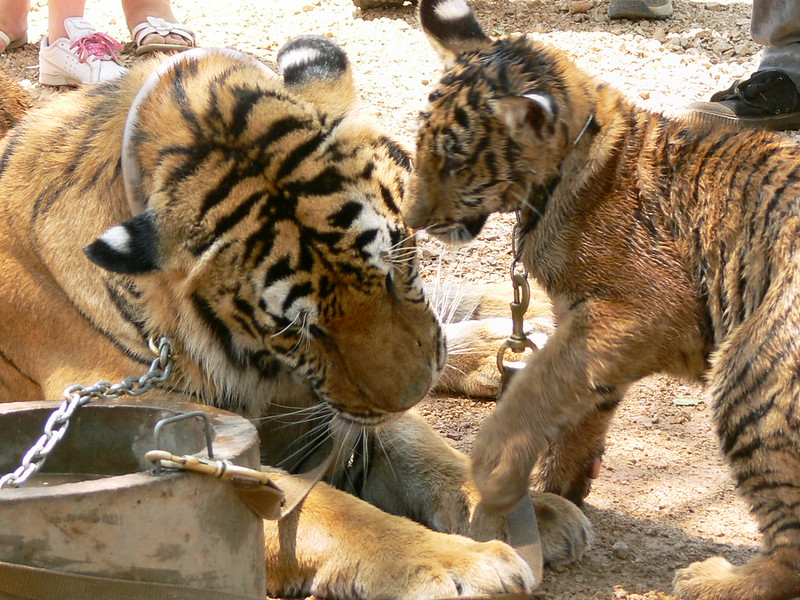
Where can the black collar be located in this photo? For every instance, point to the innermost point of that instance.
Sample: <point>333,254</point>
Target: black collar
<point>539,197</point>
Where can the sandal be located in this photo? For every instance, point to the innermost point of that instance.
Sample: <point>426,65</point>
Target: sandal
<point>163,28</point>
<point>13,44</point>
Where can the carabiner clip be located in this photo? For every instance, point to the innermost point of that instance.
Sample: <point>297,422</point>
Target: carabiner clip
<point>517,342</point>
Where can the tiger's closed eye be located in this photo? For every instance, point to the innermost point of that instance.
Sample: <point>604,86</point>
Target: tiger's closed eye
<point>453,163</point>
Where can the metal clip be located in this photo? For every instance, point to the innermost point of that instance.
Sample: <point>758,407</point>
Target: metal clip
<point>196,414</point>
<point>517,342</point>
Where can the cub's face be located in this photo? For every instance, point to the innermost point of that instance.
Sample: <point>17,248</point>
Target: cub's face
<point>490,138</point>
<point>270,241</point>
<point>462,175</point>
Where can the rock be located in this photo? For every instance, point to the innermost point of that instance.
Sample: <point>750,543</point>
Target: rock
<point>621,550</point>
<point>580,8</point>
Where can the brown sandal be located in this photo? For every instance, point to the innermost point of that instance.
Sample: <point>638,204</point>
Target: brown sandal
<point>162,27</point>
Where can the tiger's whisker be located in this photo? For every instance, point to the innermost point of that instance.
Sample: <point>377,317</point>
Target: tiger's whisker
<point>381,443</point>
<point>289,326</point>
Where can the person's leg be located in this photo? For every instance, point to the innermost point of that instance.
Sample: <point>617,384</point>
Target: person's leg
<point>138,11</point>
<point>57,12</point>
<point>13,22</point>
<point>776,26</point>
<point>769,98</point>
<point>639,9</point>
<point>73,53</point>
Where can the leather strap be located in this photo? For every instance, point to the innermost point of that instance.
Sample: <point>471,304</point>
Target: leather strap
<point>276,501</point>
<point>255,487</point>
<point>21,582</point>
<point>523,534</point>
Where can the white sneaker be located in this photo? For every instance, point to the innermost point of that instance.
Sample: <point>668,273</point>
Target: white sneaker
<point>86,57</point>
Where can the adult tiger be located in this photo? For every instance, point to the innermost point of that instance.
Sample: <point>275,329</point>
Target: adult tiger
<point>255,221</point>
<point>665,246</point>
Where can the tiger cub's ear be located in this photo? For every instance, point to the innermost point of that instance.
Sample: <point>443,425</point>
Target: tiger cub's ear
<point>131,247</point>
<point>451,27</point>
<point>317,69</point>
<point>526,116</point>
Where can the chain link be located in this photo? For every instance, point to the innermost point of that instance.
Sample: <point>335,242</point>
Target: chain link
<point>515,250</point>
<point>76,396</point>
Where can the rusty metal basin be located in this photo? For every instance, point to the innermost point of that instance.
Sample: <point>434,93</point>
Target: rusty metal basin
<point>97,508</point>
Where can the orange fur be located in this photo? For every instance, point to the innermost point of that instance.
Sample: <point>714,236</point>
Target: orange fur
<point>260,232</point>
<point>665,246</point>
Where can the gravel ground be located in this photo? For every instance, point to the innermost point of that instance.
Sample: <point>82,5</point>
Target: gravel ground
<point>664,498</point>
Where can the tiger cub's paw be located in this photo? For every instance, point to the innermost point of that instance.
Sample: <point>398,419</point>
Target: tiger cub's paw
<point>566,532</point>
<point>763,578</point>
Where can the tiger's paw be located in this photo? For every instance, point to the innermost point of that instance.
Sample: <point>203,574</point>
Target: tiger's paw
<point>449,566</point>
<point>763,578</point>
<point>472,347</point>
<point>566,532</point>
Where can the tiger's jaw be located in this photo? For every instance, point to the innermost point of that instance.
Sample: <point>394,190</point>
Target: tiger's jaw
<point>379,357</point>
<point>460,232</point>
<point>344,422</point>
<point>428,207</point>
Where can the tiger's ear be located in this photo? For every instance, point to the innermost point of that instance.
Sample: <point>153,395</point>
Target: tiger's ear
<point>526,115</point>
<point>130,247</point>
<point>451,28</point>
<point>317,69</point>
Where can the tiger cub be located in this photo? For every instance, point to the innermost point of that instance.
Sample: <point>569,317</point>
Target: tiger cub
<point>254,219</point>
<point>665,246</point>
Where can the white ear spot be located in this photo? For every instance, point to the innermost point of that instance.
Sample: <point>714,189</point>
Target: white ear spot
<point>452,10</point>
<point>544,101</point>
<point>117,238</point>
<point>297,57</point>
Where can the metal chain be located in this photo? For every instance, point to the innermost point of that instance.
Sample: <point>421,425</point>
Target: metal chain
<point>518,341</point>
<point>76,396</point>
<point>515,257</point>
<point>515,250</point>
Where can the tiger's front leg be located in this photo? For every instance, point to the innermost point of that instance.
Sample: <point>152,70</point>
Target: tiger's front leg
<point>339,547</point>
<point>414,472</point>
<point>569,464</point>
<point>557,410</point>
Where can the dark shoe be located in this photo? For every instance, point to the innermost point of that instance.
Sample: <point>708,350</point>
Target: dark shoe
<point>769,99</point>
<point>639,9</point>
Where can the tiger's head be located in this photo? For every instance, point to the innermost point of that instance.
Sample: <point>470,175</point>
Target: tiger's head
<point>496,127</point>
<point>267,237</point>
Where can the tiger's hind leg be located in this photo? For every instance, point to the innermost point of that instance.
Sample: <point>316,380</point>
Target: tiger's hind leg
<point>476,321</point>
<point>569,463</point>
<point>756,395</point>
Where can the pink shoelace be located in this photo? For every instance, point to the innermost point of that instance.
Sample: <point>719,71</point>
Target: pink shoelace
<point>99,45</point>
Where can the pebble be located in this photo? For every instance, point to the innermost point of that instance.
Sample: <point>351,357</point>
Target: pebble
<point>580,8</point>
<point>621,550</point>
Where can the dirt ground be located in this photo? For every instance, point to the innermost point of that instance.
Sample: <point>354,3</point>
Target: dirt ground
<point>664,498</point>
